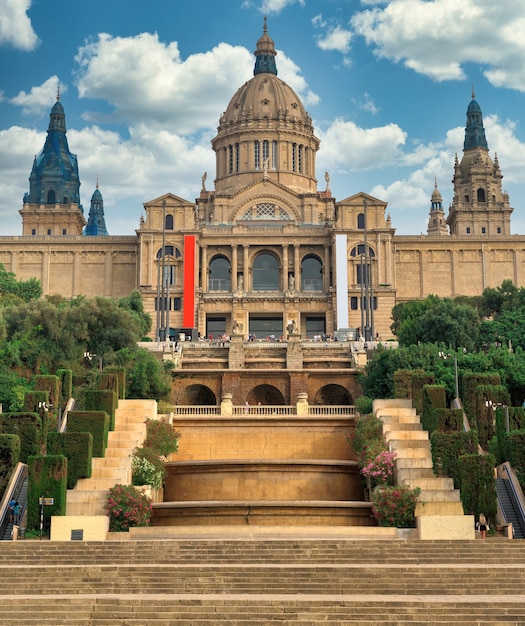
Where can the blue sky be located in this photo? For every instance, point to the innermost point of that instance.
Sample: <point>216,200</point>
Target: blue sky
<point>143,84</point>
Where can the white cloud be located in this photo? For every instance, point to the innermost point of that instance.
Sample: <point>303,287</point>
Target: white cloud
<point>15,26</point>
<point>276,6</point>
<point>345,145</point>
<point>38,99</point>
<point>145,79</point>
<point>438,37</point>
<point>337,38</point>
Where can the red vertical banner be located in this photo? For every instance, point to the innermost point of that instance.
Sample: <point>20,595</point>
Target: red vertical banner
<point>188,302</point>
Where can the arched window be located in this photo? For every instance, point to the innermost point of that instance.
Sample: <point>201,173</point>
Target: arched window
<point>256,155</point>
<point>169,251</point>
<point>265,274</point>
<point>168,222</point>
<point>220,275</point>
<point>168,266</point>
<point>481,195</point>
<point>312,274</point>
<point>51,197</point>
<point>360,250</point>
<point>361,221</point>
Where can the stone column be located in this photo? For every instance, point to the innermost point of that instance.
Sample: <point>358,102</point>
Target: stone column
<point>204,268</point>
<point>297,267</point>
<point>234,268</point>
<point>326,273</point>
<point>285,267</point>
<point>246,278</point>
<point>226,404</point>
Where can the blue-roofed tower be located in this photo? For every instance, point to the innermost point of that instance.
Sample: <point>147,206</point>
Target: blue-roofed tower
<point>96,225</point>
<point>480,206</point>
<point>52,206</point>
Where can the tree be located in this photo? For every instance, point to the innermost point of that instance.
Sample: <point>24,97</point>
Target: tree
<point>436,320</point>
<point>146,376</point>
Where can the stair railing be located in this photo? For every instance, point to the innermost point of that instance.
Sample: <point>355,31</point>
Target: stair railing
<point>70,405</point>
<point>20,473</point>
<point>515,494</point>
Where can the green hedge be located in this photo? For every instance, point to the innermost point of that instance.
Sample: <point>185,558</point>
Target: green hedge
<point>9,457</point>
<point>403,382</point>
<point>78,449</point>
<point>120,372</point>
<point>94,422</point>
<point>515,446</point>
<point>48,478</point>
<point>52,385</point>
<point>433,397</point>
<point>418,382</point>
<point>28,426</point>
<point>66,385</point>
<point>485,416</point>
<point>478,487</point>
<point>470,383</point>
<point>32,399</point>
<point>447,448</point>
<point>102,400</point>
<point>449,420</point>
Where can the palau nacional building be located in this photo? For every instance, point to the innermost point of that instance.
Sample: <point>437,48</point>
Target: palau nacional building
<point>266,250</point>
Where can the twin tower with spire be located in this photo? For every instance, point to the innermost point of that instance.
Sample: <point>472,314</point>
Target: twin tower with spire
<point>52,206</point>
<point>479,207</point>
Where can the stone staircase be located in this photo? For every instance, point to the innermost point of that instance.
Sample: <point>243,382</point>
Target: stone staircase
<point>89,495</point>
<point>271,580</point>
<point>405,436</point>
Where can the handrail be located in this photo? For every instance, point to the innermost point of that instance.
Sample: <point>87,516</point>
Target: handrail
<point>70,405</point>
<point>515,496</point>
<point>20,473</point>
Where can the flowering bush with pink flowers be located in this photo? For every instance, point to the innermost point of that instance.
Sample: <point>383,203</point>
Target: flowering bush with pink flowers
<point>395,506</point>
<point>127,507</point>
<point>380,471</point>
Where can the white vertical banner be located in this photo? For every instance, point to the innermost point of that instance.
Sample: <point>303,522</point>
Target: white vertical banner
<point>341,285</point>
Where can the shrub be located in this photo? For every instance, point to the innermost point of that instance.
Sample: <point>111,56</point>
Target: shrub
<point>478,487</point>
<point>367,439</point>
<point>364,405</point>
<point>127,507</point>
<point>380,471</point>
<point>161,437</point>
<point>147,468</point>
<point>395,506</point>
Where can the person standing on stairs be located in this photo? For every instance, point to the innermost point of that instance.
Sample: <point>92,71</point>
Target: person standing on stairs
<point>482,526</point>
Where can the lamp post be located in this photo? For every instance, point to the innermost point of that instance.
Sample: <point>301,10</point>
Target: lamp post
<point>445,356</point>
<point>494,406</point>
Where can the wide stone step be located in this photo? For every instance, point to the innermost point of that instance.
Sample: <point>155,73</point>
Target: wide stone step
<point>173,609</point>
<point>120,473</point>
<point>411,435</point>
<point>404,476</point>
<point>435,483</point>
<point>412,426</point>
<point>256,579</point>
<point>400,444</point>
<point>439,495</point>
<point>98,484</point>
<point>410,462</point>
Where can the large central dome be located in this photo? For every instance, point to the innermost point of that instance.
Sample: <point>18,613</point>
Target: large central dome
<point>265,129</point>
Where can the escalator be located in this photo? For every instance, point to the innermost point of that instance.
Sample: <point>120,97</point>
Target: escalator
<point>509,501</point>
<point>16,490</point>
